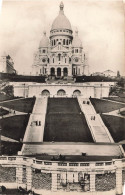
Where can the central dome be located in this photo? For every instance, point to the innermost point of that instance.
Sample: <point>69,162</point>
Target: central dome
<point>61,21</point>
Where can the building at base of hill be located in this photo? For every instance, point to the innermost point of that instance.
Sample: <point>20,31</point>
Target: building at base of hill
<point>6,64</point>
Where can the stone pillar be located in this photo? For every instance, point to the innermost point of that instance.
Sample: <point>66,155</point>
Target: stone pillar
<point>19,175</point>
<point>29,177</point>
<point>70,177</point>
<point>63,177</point>
<point>54,182</point>
<point>92,182</point>
<point>56,71</point>
<point>76,177</point>
<point>118,164</point>
<point>118,181</point>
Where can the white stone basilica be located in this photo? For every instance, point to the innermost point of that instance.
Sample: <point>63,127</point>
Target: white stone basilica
<point>61,54</point>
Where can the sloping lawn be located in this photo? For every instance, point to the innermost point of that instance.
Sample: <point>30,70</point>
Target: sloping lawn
<point>65,122</point>
<point>117,99</point>
<point>63,105</point>
<point>3,112</point>
<point>116,126</point>
<point>10,148</point>
<point>22,105</point>
<point>103,106</point>
<point>14,127</point>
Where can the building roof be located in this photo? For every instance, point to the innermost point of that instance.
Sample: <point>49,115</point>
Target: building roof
<point>61,21</point>
<point>76,41</point>
<point>44,41</point>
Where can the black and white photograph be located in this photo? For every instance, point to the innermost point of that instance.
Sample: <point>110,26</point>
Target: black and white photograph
<point>62,97</point>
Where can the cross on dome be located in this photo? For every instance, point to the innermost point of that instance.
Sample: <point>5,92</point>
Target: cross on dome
<point>61,8</point>
<point>61,5</point>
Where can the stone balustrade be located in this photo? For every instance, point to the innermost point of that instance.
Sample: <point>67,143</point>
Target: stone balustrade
<point>68,171</point>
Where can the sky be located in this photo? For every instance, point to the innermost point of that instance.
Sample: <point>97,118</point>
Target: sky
<point>101,26</point>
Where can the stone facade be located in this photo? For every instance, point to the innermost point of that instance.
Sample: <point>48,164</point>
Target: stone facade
<point>61,54</point>
<point>78,176</point>
<point>96,90</point>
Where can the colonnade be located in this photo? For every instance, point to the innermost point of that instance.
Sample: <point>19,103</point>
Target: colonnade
<point>70,177</point>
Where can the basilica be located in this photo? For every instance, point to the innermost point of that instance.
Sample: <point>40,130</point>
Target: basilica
<point>61,54</point>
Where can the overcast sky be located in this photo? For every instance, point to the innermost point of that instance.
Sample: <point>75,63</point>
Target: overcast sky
<point>101,26</point>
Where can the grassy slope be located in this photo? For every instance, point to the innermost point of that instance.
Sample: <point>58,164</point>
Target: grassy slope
<point>64,122</point>
<point>14,127</point>
<point>102,106</point>
<point>116,126</point>
<point>22,105</point>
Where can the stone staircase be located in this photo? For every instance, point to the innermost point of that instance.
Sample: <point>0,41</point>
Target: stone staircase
<point>98,130</point>
<point>35,128</point>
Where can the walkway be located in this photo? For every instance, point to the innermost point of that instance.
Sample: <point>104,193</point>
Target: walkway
<point>11,100</point>
<point>7,139</point>
<point>116,113</point>
<point>98,130</point>
<point>11,112</point>
<point>35,128</point>
<point>73,148</point>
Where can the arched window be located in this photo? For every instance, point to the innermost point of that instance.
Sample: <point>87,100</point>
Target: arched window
<point>61,92</point>
<point>59,56</point>
<point>53,60</point>
<point>77,93</point>
<point>54,42</point>
<point>67,42</point>
<point>65,72</point>
<point>52,71</point>
<point>63,41</point>
<point>65,60</point>
<point>58,71</point>
<point>45,92</point>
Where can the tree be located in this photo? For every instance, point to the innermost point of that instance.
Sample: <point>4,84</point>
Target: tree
<point>118,73</point>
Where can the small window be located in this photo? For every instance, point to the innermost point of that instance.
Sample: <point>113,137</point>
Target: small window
<point>43,60</point>
<point>76,59</point>
<point>44,51</point>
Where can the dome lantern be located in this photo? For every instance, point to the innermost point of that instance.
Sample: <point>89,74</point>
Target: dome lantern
<point>61,7</point>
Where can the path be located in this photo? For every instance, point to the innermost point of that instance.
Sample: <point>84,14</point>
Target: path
<point>12,112</point>
<point>73,148</point>
<point>7,139</point>
<point>12,100</point>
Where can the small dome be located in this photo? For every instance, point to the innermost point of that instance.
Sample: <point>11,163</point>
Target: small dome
<point>76,41</point>
<point>61,21</point>
<point>44,41</point>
